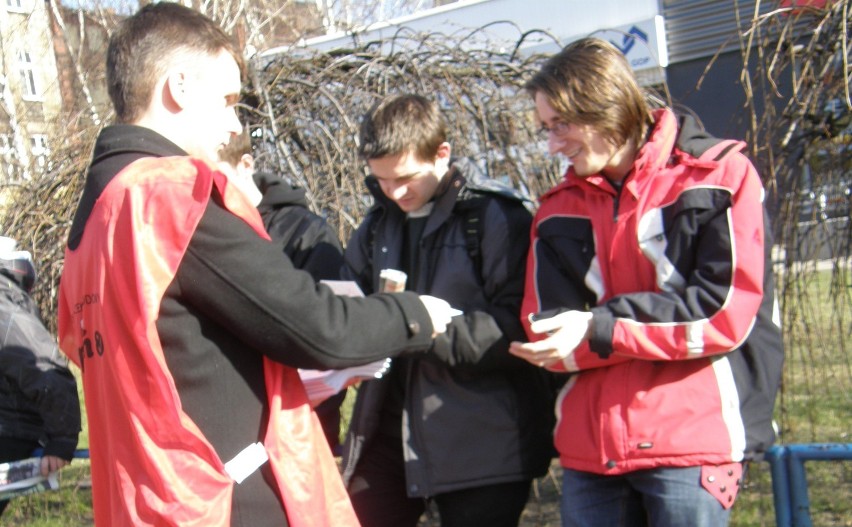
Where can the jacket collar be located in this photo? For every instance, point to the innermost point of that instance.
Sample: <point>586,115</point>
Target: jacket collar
<point>116,147</point>
<point>131,139</point>
<point>653,156</point>
<point>279,193</point>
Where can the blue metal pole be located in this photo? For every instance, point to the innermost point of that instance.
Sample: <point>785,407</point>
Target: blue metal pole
<point>797,455</point>
<point>789,481</point>
<point>80,453</point>
<point>822,451</point>
<point>800,503</point>
<point>777,458</point>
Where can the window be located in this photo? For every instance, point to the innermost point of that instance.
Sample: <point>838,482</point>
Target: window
<point>17,6</point>
<point>38,148</point>
<point>27,69</point>
<point>9,165</point>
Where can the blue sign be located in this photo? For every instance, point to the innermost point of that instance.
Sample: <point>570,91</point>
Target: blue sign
<point>629,39</point>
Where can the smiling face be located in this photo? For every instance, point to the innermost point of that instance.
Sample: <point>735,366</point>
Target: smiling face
<point>587,149</point>
<point>407,180</point>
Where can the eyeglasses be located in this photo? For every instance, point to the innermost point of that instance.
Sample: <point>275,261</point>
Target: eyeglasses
<point>558,128</point>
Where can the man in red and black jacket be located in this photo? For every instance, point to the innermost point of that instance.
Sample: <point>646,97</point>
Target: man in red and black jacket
<point>649,280</point>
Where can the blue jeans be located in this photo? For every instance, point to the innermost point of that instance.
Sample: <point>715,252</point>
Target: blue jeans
<point>661,497</point>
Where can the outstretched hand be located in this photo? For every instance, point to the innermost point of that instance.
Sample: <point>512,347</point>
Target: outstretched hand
<point>566,331</point>
<point>439,311</point>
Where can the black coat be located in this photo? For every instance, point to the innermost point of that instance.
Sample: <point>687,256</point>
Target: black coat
<point>477,415</point>
<point>312,246</point>
<point>305,237</point>
<point>38,394</point>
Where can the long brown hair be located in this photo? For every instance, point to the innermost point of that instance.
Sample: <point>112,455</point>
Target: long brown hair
<point>590,82</point>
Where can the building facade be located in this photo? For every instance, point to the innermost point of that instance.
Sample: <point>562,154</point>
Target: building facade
<point>29,96</point>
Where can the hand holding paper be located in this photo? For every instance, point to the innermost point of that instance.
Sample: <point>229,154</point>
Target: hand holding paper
<point>440,312</point>
<point>51,464</point>
<point>566,331</point>
<point>25,476</point>
<point>322,384</point>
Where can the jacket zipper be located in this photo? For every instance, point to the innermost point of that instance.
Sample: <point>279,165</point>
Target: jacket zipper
<point>615,202</point>
<point>617,199</point>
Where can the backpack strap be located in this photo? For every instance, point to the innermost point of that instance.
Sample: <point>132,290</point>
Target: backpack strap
<point>472,210</point>
<point>473,236</point>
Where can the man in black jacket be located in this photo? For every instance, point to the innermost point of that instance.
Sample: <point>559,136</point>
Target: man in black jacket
<point>186,321</point>
<point>462,426</point>
<point>38,395</point>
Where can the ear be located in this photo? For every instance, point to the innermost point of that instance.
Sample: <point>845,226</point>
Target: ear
<point>444,152</point>
<point>442,159</point>
<point>176,88</point>
<point>247,161</point>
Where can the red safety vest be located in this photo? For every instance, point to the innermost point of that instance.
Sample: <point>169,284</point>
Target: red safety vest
<point>151,465</point>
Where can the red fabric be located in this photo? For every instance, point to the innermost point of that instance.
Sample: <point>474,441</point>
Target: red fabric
<point>151,465</point>
<point>723,482</point>
<point>799,6</point>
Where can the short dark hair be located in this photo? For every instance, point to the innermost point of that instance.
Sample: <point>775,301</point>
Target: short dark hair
<point>402,123</point>
<point>145,44</point>
<point>590,82</point>
<point>237,147</point>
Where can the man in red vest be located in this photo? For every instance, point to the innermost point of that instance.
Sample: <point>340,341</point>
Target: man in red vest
<point>187,323</point>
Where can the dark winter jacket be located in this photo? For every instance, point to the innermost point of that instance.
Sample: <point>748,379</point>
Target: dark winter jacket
<point>476,414</point>
<point>307,239</point>
<point>685,356</point>
<point>38,394</point>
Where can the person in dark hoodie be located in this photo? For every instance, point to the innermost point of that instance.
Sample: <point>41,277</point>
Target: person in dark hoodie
<point>649,280</point>
<point>187,323</point>
<point>305,237</point>
<point>39,407</point>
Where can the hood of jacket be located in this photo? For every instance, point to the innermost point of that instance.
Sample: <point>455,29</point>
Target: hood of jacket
<point>277,192</point>
<point>116,147</point>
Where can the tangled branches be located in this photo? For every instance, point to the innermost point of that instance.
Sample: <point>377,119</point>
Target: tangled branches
<point>304,110</point>
<point>803,139</point>
<point>308,108</point>
<point>38,211</point>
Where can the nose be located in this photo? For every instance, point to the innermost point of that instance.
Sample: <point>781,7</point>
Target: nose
<point>399,192</point>
<point>554,144</point>
<point>233,123</point>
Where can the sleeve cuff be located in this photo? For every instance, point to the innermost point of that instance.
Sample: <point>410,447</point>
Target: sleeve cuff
<point>61,448</point>
<point>417,319</point>
<point>603,324</point>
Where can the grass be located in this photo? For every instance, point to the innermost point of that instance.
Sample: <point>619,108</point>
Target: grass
<point>815,400</point>
<point>70,506</point>
<point>814,406</point>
